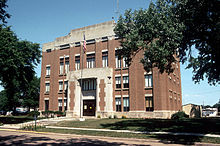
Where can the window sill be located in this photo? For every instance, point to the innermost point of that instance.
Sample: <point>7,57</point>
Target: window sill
<point>147,88</point>
<point>117,69</point>
<point>46,93</point>
<point>125,89</point>
<point>47,76</point>
<point>118,89</point>
<point>125,68</point>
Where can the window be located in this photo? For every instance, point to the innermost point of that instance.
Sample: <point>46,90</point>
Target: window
<point>118,104</point>
<point>125,82</point>
<point>60,86</point>
<point>104,59</point>
<point>89,84</point>
<point>65,104</point>
<point>77,62</point>
<point>149,103</point>
<point>148,81</point>
<point>48,71</point>
<point>67,65</point>
<point>117,62</point>
<point>66,88</point>
<point>47,90</point>
<point>118,82</point>
<point>61,66</point>
<point>90,60</point>
<point>125,65</point>
<point>46,105</point>
<point>126,104</point>
<point>60,104</point>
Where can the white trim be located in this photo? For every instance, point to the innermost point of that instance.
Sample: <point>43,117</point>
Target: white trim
<point>61,57</point>
<point>47,81</point>
<point>148,73</point>
<point>117,96</point>
<point>118,48</point>
<point>118,75</point>
<point>124,74</point>
<point>60,98</point>
<point>66,56</point>
<point>77,55</point>
<point>93,52</point>
<point>125,96</point>
<point>106,50</point>
<point>148,95</point>
<point>46,98</point>
<point>60,80</point>
<point>64,98</point>
<point>48,65</point>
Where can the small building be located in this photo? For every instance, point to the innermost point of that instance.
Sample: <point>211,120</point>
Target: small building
<point>210,112</point>
<point>98,82</point>
<point>192,110</point>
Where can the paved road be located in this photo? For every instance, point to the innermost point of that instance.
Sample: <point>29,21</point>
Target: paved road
<point>15,137</point>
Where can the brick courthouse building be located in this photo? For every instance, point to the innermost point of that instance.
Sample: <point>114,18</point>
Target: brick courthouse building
<point>108,86</point>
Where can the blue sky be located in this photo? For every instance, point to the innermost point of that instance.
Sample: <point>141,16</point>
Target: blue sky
<point>42,21</point>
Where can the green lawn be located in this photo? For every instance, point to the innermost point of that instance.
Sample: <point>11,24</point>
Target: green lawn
<point>206,125</point>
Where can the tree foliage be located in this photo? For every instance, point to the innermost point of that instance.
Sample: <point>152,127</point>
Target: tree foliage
<point>18,59</point>
<point>170,28</point>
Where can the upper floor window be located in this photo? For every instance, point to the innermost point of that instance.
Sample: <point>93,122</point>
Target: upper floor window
<point>77,62</point>
<point>118,82</point>
<point>89,84</point>
<point>47,87</point>
<point>60,86</point>
<point>47,70</point>
<point>125,82</point>
<point>90,60</point>
<point>148,80</point>
<point>67,65</point>
<point>104,59</point>
<point>61,66</point>
<point>125,65</point>
<point>117,62</point>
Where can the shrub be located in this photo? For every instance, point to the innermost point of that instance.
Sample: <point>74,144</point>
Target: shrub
<point>1,124</point>
<point>180,115</point>
<point>99,116</point>
<point>110,117</point>
<point>59,113</point>
<point>123,117</point>
<point>115,117</point>
<point>31,127</point>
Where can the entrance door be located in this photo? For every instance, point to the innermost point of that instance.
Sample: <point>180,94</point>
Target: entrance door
<point>89,107</point>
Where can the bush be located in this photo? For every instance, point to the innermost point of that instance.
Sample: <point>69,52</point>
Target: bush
<point>59,113</point>
<point>115,117</point>
<point>99,116</point>
<point>179,116</point>
<point>31,127</point>
<point>110,117</point>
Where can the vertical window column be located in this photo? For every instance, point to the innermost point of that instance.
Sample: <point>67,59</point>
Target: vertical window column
<point>61,66</point>
<point>118,104</point>
<point>61,86</point>
<point>126,104</point>
<point>60,104</point>
<point>77,62</point>
<point>118,82</point>
<point>90,60</point>
<point>148,80</point>
<point>149,103</point>
<point>65,104</point>
<point>125,82</point>
<point>67,65</point>
<point>105,59</point>
<point>46,103</point>
<point>47,87</point>
<point>125,65</point>
<point>47,70</point>
<point>117,62</point>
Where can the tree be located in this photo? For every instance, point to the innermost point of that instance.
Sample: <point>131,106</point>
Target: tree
<point>171,28</point>
<point>31,96</point>
<point>17,60</point>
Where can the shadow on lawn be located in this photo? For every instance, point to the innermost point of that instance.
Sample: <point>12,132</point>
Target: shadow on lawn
<point>14,119</point>
<point>204,126</point>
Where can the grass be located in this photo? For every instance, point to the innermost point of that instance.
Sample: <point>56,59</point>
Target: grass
<point>204,126</point>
